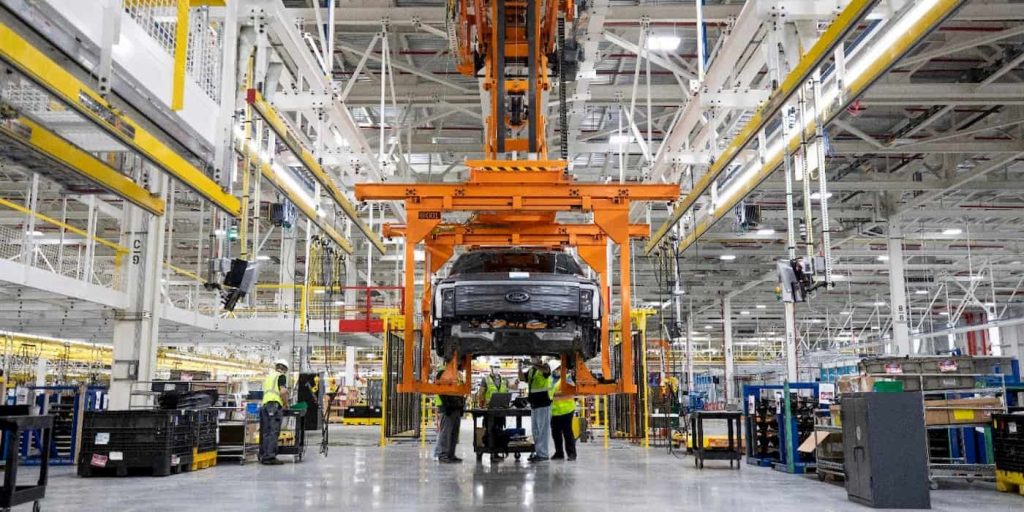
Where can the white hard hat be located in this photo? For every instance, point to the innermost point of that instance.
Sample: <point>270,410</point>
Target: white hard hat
<point>281,362</point>
<point>555,364</point>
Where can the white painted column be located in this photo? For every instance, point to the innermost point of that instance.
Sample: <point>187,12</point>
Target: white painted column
<point>689,349</point>
<point>791,367</point>
<point>995,338</point>
<point>137,328</point>
<point>898,291</point>
<point>730,371</point>
<point>350,366</point>
<point>289,243</point>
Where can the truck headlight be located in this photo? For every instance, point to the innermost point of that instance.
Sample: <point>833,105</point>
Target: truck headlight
<point>587,303</point>
<point>448,302</point>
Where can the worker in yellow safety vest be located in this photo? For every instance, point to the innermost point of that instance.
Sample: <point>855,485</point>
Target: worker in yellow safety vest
<point>275,399</point>
<point>450,409</point>
<point>563,408</point>
<point>538,380</point>
<point>491,384</point>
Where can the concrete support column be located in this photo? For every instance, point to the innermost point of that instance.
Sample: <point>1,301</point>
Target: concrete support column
<point>286,297</point>
<point>689,351</point>
<point>791,367</point>
<point>995,339</point>
<point>137,328</point>
<point>898,292</point>
<point>730,371</point>
<point>350,366</point>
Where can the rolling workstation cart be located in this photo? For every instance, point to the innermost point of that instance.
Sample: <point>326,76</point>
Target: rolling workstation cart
<point>293,434</point>
<point>483,444</point>
<point>732,451</point>
<point>11,493</point>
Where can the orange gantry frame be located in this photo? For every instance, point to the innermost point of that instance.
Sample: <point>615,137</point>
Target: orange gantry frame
<point>516,201</point>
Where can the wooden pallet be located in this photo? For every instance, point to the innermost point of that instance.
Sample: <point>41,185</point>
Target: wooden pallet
<point>1009,481</point>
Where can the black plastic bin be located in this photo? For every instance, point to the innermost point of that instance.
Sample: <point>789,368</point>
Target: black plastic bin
<point>1008,442</point>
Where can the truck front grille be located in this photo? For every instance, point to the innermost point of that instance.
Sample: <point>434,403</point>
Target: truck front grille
<point>561,300</point>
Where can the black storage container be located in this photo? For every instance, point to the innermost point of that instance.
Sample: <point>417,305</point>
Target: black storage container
<point>159,442</point>
<point>204,428</point>
<point>885,450</point>
<point>1008,442</point>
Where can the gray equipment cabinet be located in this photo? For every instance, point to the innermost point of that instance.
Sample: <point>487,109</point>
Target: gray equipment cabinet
<point>885,450</point>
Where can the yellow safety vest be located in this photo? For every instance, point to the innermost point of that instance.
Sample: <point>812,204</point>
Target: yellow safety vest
<point>437,398</point>
<point>270,388</point>
<point>537,381</point>
<point>491,388</point>
<point>561,406</point>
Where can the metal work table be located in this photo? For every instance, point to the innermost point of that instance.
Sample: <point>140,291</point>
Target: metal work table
<point>487,416</point>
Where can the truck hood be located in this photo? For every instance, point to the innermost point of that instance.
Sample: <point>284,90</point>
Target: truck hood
<point>525,277</point>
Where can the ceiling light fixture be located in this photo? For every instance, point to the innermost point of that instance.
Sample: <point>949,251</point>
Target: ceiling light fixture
<point>744,312</point>
<point>952,231</point>
<point>620,139</point>
<point>766,231</point>
<point>727,257</point>
<point>760,306</point>
<point>882,257</point>
<point>663,42</point>
<point>920,292</point>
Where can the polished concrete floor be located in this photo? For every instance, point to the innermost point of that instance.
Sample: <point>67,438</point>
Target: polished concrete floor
<point>357,475</point>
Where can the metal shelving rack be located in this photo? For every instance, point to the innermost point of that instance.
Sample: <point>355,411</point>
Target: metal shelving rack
<point>957,467</point>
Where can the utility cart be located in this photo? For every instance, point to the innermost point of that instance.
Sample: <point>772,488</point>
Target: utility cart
<point>483,419</point>
<point>12,494</point>
<point>292,440</point>
<point>732,451</point>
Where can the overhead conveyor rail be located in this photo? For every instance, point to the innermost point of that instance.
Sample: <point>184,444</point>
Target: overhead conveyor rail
<point>278,125</point>
<point>822,50</point>
<point>34,136</point>
<point>17,52</point>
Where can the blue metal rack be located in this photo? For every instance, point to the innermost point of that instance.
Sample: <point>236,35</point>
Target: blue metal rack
<point>65,404</point>
<point>785,425</point>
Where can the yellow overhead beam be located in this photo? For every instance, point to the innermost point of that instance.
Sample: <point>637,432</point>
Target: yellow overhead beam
<point>180,57</point>
<point>41,69</point>
<point>903,43</point>
<point>845,23</point>
<point>270,174</point>
<point>84,164</point>
<point>267,112</point>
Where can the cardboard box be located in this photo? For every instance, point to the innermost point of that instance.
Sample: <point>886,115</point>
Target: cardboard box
<point>812,442</point>
<point>961,410</point>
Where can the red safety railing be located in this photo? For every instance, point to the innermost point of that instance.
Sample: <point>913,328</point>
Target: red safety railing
<point>364,312</point>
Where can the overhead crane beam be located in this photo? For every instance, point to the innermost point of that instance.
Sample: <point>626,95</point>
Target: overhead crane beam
<point>71,157</point>
<point>37,66</point>
<point>844,24</point>
<point>546,235</point>
<point>902,42</point>
<point>268,173</point>
<point>276,123</point>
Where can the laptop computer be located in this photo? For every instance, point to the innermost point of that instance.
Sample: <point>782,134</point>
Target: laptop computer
<point>500,401</point>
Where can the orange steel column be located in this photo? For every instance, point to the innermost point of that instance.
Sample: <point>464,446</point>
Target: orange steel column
<point>597,257</point>
<point>415,231</point>
<point>613,218</point>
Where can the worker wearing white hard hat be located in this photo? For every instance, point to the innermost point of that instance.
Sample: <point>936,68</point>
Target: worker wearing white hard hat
<point>275,399</point>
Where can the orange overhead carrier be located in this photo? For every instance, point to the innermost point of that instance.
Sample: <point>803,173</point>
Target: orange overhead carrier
<point>516,204</point>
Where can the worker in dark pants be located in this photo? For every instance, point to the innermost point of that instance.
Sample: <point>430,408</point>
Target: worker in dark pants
<point>450,408</point>
<point>538,380</point>
<point>491,384</point>
<point>563,408</point>
<point>275,396</point>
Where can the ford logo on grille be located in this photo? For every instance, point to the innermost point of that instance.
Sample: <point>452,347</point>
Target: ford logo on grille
<point>517,296</point>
